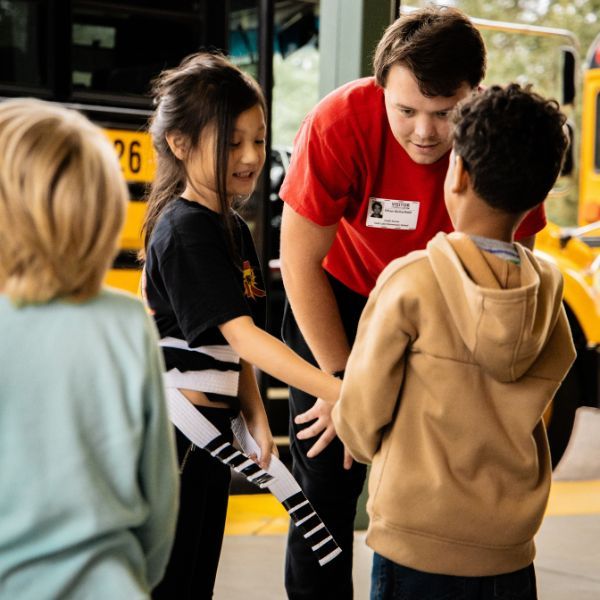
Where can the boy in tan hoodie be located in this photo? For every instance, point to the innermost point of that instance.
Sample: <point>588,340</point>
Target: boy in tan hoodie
<point>459,351</point>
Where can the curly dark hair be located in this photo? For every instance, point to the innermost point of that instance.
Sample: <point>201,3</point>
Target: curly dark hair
<point>512,143</point>
<point>438,44</point>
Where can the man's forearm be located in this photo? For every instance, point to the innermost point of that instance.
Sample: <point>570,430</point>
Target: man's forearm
<point>317,314</point>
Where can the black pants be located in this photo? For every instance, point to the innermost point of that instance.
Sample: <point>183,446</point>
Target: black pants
<point>204,494</point>
<point>331,489</point>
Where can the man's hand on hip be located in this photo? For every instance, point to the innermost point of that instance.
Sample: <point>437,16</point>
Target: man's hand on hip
<point>320,413</point>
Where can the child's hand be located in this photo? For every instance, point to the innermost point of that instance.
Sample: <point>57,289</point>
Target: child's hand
<point>260,431</point>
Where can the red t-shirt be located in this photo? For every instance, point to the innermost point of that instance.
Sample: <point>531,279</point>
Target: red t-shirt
<point>345,157</point>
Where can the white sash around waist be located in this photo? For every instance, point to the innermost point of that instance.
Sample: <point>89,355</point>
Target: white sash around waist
<point>209,380</point>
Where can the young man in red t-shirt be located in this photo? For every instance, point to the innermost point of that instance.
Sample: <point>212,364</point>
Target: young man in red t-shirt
<point>375,141</point>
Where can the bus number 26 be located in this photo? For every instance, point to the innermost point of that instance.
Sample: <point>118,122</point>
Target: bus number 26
<point>129,155</point>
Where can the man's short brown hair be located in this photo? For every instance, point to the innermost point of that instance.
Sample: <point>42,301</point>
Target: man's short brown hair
<point>440,46</point>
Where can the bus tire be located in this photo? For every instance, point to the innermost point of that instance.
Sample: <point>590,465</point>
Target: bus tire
<point>565,404</point>
<point>570,395</point>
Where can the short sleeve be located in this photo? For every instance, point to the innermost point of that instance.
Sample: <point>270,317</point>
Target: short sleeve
<point>322,172</point>
<point>533,223</point>
<point>201,279</point>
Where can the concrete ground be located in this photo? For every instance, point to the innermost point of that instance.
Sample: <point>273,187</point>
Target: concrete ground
<point>567,563</point>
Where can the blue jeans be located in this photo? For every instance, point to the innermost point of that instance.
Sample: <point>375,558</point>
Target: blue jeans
<point>390,581</point>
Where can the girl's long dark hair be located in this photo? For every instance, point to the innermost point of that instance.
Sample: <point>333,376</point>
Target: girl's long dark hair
<point>204,90</point>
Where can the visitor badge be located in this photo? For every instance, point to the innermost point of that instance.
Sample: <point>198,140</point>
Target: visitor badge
<point>392,214</point>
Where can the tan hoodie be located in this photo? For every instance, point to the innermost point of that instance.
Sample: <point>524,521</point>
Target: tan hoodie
<point>458,354</point>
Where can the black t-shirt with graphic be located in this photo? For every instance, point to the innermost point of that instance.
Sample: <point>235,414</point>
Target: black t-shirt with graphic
<point>192,282</point>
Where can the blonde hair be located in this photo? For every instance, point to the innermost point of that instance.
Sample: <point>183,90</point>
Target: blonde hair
<point>62,203</point>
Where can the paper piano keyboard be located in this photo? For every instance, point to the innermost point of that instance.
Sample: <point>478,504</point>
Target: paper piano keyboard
<point>301,512</point>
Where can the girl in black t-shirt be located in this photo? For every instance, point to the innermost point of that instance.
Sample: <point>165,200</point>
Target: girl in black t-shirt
<point>203,285</point>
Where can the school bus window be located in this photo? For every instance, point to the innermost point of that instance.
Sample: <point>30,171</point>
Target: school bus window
<point>111,52</point>
<point>23,43</point>
<point>95,48</point>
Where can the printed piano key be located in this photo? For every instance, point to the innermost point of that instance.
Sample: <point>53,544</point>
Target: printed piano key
<point>306,519</point>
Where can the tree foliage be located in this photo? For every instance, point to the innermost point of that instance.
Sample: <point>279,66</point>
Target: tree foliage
<point>534,60</point>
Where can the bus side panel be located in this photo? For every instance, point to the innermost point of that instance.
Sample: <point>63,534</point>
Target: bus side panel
<point>589,169</point>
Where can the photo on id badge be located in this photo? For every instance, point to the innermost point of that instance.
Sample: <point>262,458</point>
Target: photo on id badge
<point>384,213</point>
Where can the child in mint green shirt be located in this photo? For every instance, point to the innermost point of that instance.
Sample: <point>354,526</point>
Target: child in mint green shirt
<point>87,461</point>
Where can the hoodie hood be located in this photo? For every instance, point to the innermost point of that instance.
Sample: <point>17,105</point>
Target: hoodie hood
<point>499,308</point>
